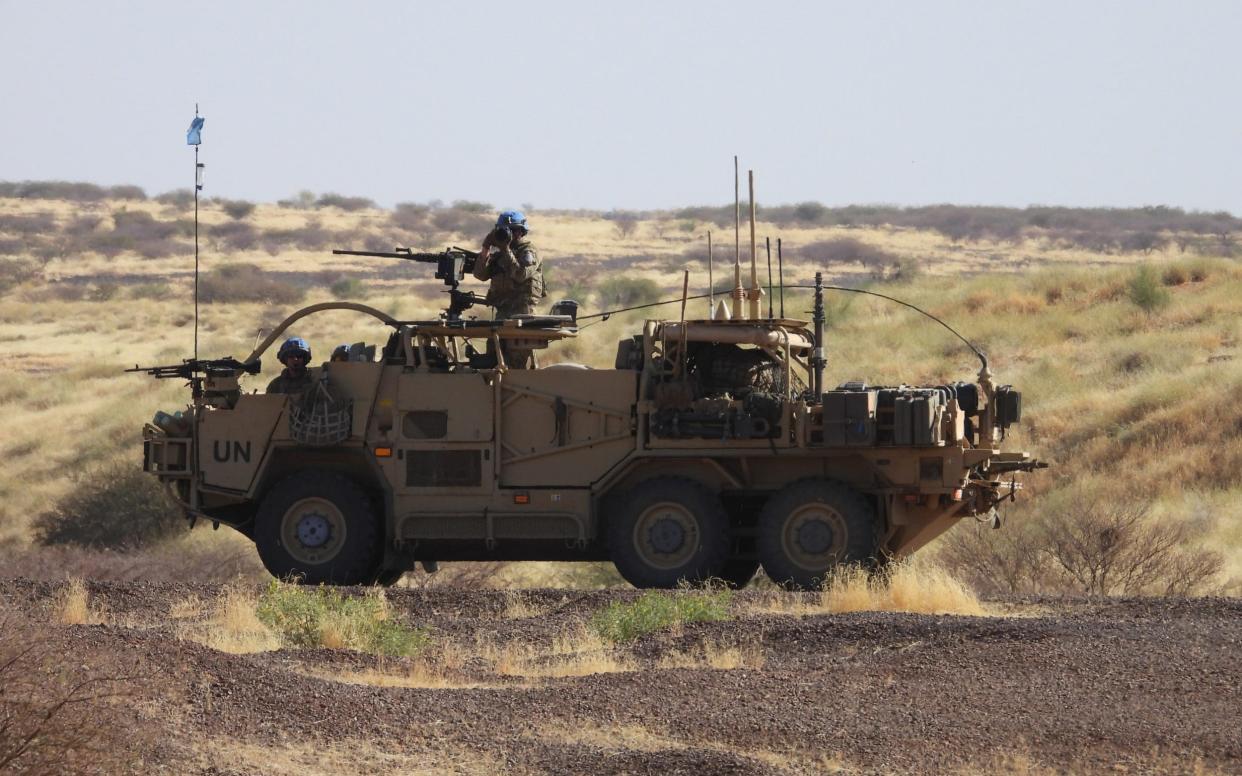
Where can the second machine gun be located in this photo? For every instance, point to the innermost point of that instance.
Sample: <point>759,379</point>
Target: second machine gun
<point>451,266</point>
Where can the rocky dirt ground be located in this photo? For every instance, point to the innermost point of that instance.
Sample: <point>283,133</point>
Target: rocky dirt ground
<point>1135,686</point>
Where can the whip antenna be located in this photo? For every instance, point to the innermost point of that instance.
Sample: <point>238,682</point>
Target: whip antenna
<point>767,246</point>
<point>737,242</point>
<point>711,299</point>
<point>780,274</point>
<point>194,137</point>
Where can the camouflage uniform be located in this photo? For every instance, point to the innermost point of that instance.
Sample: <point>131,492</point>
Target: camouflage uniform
<point>288,383</point>
<point>517,278</point>
<point>517,286</point>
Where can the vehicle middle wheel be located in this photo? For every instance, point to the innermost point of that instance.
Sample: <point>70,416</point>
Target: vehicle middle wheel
<point>810,527</point>
<point>319,527</point>
<point>666,531</point>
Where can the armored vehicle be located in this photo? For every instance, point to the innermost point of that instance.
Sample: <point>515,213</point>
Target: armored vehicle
<point>711,448</point>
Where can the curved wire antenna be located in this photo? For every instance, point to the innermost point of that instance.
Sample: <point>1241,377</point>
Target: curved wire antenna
<point>983,359</point>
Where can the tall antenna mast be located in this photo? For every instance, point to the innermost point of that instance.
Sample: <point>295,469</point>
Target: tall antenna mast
<point>755,292</point>
<point>194,137</point>
<point>711,289</point>
<point>780,274</point>
<point>767,246</point>
<point>737,242</point>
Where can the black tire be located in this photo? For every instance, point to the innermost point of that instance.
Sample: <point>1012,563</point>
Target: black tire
<point>319,527</point>
<point>737,573</point>
<point>810,527</point>
<point>666,531</point>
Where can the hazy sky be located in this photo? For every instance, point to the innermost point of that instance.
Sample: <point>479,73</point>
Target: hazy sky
<point>634,104</point>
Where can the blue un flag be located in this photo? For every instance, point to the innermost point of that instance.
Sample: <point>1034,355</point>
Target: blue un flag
<point>194,135</point>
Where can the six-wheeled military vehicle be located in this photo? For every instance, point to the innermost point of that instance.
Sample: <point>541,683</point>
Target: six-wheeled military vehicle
<point>709,449</point>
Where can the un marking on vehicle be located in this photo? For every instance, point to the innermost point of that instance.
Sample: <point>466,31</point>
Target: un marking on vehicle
<point>230,451</point>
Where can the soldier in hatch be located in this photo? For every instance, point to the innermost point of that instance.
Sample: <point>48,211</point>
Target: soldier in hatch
<point>295,354</point>
<point>510,262</point>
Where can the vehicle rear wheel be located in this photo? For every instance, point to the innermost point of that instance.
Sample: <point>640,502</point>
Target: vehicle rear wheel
<point>810,527</point>
<point>319,527</point>
<point>666,531</point>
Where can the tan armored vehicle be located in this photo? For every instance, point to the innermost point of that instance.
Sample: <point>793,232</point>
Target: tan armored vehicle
<point>709,449</point>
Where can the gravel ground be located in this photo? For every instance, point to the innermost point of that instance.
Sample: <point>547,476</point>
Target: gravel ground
<point>1052,686</point>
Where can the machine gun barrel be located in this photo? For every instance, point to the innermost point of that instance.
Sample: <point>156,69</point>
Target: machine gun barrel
<point>191,366</point>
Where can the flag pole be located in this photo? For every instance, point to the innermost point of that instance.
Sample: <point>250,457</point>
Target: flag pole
<point>194,137</point>
<point>196,188</point>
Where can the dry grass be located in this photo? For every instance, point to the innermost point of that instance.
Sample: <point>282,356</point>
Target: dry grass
<point>636,738</point>
<point>234,624</point>
<point>916,586</point>
<point>414,757</point>
<point>717,656</point>
<point>73,606</point>
<point>577,652</point>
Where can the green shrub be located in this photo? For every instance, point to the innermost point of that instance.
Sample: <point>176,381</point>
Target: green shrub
<point>326,617</point>
<point>657,611</point>
<point>116,507</point>
<point>245,283</point>
<point>236,208</point>
<point>1146,291</point>
<point>347,288</point>
<point>14,272</point>
<point>150,291</point>
<point>349,204</point>
<point>103,291</point>
<point>619,291</point>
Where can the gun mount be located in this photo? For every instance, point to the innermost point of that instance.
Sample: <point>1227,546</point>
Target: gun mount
<point>452,265</point>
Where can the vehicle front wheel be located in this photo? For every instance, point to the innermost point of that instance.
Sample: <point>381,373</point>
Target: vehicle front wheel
<point>319,527</point>
<point>666,531</point>
<point>810,527</point>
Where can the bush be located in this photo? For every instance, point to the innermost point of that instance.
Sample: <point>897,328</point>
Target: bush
<point>344,203</point>
<point>1094,546</point>
<point>303,200</point>
<point>656,611</point>
<point>236,208</point>
<point>326,617</point>
<point>1146,291</point>
<point>180,199</point>
<point>116,507</point>
<point>469,206</point>
<point>150,291</point>
<point>619,291</point>
<point>347,288</point>
<point>245,283</point>
<point>234,235</point>
<point>847,249</point>
<point>103,291</point>
<point>14,272</point>
<point>461,221</point>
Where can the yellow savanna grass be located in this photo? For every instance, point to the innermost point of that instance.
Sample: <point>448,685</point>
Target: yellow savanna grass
<point>234,624</point>
<point>72,605</point>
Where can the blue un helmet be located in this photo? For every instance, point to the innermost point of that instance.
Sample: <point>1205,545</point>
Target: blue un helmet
<point>294,346</point>
<point>512,218</point>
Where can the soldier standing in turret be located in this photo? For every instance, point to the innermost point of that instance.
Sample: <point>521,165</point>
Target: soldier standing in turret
<point>295,354</point>
<point>510,262</point>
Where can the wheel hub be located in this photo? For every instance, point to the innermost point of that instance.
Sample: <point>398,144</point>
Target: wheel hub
<point>814,537</point>
<point>666,535</point>
<point>314,530</point>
